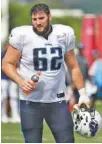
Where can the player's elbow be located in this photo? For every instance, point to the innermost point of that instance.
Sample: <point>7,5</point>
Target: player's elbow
<point>4,66</point>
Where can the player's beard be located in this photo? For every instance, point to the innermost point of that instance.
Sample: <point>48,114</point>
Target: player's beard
<point>45,32</point>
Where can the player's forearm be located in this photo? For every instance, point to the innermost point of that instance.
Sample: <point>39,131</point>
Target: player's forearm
<point>77,78</point>
<point>11,71</point>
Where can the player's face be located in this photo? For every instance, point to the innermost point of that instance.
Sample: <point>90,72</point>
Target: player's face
<point>40,21</point>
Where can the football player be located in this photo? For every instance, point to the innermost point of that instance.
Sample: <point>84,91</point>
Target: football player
<point>43,48</point>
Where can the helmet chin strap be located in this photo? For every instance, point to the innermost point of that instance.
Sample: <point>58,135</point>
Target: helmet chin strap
<point>45,33</point>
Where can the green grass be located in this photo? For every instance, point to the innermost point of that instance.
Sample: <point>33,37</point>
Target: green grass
<point>10,133</point>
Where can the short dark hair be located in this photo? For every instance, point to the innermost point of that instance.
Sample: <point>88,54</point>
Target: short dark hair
<point>40,7</point>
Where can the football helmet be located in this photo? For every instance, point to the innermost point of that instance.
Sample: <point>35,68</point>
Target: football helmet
<point>87,122</point>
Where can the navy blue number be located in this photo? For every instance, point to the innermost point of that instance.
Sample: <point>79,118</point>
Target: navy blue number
<point>56,61</point>
<point>40,64</point>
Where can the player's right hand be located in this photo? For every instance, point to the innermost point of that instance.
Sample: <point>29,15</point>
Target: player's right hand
<point>27,86</point>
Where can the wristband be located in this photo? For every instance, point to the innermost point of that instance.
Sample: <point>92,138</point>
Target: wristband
<point>82,92</point>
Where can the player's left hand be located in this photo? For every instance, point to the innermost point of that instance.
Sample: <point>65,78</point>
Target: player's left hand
<point>85,100</point>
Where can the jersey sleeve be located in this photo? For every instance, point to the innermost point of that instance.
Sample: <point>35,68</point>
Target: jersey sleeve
<point>16,39</point>
<point>70,41</point>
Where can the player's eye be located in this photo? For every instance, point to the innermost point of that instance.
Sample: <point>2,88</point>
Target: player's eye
<point>41,18</point>
<point>34,19</point>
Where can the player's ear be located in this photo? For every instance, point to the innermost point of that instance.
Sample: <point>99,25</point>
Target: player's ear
<point>50,17</point>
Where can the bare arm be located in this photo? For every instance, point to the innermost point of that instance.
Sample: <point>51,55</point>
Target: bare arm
<point>74,69</point>
<point>9,63</point>
<point>9,66</point>
<point>77,78</point>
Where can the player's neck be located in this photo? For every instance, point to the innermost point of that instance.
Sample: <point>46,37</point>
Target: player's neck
<point>48,32</point>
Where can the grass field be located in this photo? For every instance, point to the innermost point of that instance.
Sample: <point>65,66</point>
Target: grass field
<point>10,133</point>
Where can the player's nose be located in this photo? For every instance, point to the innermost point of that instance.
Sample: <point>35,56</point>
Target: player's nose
<point>38,22</point>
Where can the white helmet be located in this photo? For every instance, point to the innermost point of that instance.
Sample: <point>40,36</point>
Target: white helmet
<point>86,122</point>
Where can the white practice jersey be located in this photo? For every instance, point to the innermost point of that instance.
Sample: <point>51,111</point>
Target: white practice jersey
<point>45,55</point>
